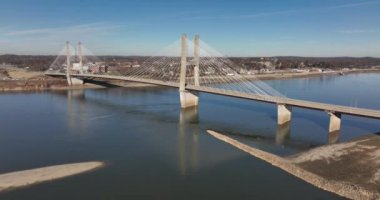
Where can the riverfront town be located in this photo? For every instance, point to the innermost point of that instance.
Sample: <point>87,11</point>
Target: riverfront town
<point>189,100</point>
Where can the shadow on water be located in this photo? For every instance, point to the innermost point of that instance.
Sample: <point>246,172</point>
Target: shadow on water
<point>241,104</point>
<point>162,111</point>
<point>190,127</point>
<point>269,143</point>
<point>100,83</point>
<point>187,120</point>
<point>103,98</point>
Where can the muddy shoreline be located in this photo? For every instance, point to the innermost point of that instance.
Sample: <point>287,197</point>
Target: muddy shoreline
<point>56,84</point>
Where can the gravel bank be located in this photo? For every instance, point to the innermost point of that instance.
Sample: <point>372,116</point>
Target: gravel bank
<point>27,177</point>
<point>292,165</point>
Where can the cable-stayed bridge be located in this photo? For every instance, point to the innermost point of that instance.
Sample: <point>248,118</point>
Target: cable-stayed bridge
<point>203,70</point>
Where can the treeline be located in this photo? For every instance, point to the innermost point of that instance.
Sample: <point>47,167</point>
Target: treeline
<point>35,63</point>
<point>333,62</point>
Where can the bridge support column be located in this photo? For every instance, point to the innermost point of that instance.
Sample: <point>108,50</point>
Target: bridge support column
<point>335,121</point>
<point>70,80</point>
<point>187,98</point>
<point>76,81</point>
<point>284,114</point>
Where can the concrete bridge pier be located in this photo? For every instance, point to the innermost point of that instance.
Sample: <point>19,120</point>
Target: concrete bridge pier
<point>284,114</point>
<point>187,98</point>
<point>335,121</point>
<point>76,81</point>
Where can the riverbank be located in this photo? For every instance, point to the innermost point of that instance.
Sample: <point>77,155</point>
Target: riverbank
<point>18,79</point>
<point>350,169</point>
<point>40,84</point>
<point>17,179</point>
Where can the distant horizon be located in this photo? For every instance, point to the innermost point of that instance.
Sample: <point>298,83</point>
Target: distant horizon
<point>305,28</point>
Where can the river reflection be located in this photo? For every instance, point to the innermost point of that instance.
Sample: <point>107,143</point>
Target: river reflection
<point>76,103</point>
<point>333,137</point>
<point>283,133</point>
<point>188,139</point>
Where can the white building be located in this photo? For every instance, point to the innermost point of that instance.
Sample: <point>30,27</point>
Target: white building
<point>76,66</point>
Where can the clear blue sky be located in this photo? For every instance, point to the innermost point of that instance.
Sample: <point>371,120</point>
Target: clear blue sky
<point>234,27</point>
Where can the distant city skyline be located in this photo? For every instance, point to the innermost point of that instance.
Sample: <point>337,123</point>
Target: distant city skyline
<point>324,28</point>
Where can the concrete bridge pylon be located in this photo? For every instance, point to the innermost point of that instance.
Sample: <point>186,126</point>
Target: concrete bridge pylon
<point>70,80</point>
<point>188,98</point>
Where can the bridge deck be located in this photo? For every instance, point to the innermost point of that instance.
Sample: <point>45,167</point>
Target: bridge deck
<point>263,98</point>
<point>292,102</point>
